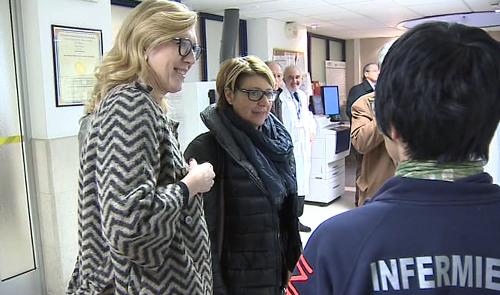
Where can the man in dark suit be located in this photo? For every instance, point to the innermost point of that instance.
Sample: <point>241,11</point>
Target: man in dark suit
<point>370,76</point>
<point>276,108</point>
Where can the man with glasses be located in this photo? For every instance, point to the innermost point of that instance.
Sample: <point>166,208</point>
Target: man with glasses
<point>299,122</point>
<point>370,76</point>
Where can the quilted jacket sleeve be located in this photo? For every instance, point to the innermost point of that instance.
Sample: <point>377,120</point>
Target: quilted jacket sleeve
<point>204,148</point>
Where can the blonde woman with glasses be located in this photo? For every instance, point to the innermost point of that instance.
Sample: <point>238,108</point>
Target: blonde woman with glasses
<point>141,225</point>
<point>250,210</point>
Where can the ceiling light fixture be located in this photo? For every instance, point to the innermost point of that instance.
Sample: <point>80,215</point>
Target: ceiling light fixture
<point>314,26</point>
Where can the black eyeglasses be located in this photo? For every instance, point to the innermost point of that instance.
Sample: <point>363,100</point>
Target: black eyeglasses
<point>186,47</point>
<point>256,95</point>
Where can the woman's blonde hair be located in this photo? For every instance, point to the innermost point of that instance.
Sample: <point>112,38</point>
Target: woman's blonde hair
<point>232,72</point>
<point>150,24</point>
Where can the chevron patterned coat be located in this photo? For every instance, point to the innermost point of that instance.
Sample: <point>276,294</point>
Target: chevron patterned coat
<point>139,232</point>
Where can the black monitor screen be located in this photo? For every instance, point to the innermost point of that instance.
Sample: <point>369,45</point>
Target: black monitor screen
<point>331,100</point>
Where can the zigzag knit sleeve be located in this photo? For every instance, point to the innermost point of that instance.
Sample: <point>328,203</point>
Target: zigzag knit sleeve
<point>139,218</point>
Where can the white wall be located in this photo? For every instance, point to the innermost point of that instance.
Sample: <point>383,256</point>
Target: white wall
<point>47,121</point>
<point>118,15</point>
<point>214,38</point>
<point>258,38</point>
<point>266,34</point>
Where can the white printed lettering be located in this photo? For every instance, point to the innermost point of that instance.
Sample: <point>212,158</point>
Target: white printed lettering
<point>389,275</point>
<point>425,271</point>
<point>442,264</point>
<point>461,272</point>
<point>440,271</point>
<point>376,286</point>
<point>479,272</point>
<point>492,274</point>
<point>405,272</point>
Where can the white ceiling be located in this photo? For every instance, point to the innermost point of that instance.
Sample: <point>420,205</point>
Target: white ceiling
<point>345,19</point>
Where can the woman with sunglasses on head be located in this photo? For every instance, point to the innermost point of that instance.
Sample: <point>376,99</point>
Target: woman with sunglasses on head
<point>250,210</point>
<point>141,224</point>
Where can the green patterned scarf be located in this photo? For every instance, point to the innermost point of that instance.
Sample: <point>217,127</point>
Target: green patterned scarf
<point>438,171</point>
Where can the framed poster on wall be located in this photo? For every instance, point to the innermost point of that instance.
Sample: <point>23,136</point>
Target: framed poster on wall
<point>77,52</point>
<point>285,57</point>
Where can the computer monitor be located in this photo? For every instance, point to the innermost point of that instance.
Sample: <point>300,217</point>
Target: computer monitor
<point>331,100</point>
<point>316,105</point>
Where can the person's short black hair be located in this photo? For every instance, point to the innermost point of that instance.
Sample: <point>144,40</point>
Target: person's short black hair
<point>439,88</point>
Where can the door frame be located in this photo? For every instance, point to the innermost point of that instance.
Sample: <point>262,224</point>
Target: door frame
<point>33,280</point>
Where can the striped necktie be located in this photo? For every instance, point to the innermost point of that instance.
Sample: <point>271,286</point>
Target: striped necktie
<point>297,99</point>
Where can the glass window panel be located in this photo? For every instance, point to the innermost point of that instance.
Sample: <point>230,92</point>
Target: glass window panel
<point>318,57</point>
<point>336,52</point>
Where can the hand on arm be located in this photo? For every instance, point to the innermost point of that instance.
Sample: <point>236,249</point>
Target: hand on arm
<point>200,178</point>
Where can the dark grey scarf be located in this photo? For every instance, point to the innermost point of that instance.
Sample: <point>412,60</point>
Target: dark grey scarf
<point>269,150</point>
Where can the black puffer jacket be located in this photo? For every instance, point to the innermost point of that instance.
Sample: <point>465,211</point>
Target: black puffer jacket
<point>253,245</point>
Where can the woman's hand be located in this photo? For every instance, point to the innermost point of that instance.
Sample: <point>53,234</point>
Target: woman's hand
<point>200,178</point>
